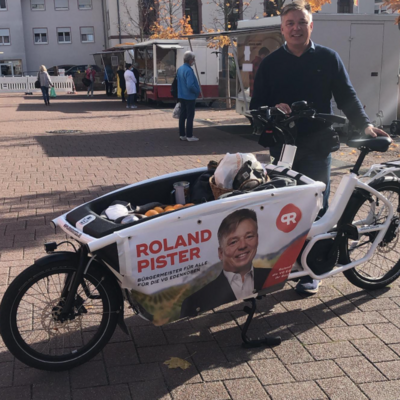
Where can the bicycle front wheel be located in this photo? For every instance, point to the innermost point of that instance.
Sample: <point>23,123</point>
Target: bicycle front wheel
<point>384,266</point>
<point>35,332</point>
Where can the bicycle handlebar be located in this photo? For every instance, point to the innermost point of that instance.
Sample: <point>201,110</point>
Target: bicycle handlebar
<point>276,123</point>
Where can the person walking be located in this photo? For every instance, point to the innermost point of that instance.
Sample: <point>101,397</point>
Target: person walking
<point>130,82</point>
<point>188,91</point>
<point>303,70</point>
<point>121,78</point>
<point>90,74</point>
<point>45,82</point>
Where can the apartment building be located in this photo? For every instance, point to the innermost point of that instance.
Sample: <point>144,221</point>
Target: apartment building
<point>49,32</point>
<point>54,32</point>
<point>122,16</point>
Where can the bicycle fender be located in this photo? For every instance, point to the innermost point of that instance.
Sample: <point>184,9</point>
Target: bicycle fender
<point>385,178</point>
<point>57,256</point>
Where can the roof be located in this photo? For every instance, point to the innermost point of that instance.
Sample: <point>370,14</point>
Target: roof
<point>235,33</point>
<point>161,42</point>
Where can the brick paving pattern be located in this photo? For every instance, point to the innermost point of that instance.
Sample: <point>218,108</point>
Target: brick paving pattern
<point>343,343</point>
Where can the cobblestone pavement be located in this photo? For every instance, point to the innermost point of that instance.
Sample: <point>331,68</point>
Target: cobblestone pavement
<point>343,343</point>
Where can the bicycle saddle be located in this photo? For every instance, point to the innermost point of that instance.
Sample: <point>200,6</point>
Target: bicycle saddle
<point>380,143</point>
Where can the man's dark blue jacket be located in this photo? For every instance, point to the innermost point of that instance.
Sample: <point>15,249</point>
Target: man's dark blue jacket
<point>315,76</point>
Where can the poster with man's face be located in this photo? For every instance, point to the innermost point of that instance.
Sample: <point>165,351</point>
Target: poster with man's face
<point>252,49</point>
<point>197,264</point>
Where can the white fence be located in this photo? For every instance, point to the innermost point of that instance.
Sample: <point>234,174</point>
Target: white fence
<point>26,84</point>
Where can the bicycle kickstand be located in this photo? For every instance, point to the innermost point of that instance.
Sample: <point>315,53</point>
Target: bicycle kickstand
<point>250,343</point>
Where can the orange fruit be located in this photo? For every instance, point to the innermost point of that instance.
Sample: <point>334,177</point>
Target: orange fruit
<point>189,204</point>
<point>158,209</point>
<point>177,206</point>
<point>168,208</point>
<point>150,213</point>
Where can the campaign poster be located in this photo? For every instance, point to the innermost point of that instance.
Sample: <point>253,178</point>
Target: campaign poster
<point>186,268</point>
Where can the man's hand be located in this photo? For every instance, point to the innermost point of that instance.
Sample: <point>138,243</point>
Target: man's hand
<point>370,130</point>
<point>284,107</point>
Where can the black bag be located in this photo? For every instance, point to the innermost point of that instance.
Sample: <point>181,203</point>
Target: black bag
<point>248,177</point>
<point>86,82</point>
<point>174,88</point>
<point>328,142</point>
<point>201,191</point>
<point>37,84</point>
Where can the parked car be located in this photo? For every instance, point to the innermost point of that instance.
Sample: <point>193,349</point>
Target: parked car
<point>62,66</point>
<point>81,68</point>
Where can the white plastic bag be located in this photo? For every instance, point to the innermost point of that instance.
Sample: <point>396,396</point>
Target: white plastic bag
<point>229,166</point>
<point>177,111</point>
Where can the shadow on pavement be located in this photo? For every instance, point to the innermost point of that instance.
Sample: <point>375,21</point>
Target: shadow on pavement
<point>210,342</point>
<point>145,143</point>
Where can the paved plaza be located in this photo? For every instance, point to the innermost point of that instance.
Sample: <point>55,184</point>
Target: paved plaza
<point>341,344</point>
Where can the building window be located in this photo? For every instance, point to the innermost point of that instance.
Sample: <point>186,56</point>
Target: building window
<point>85,4</point>
<point>37,5</point>
<point>4,37</point>
<point>87,34</point>
<point>192,11</point>
<point>40,35</point>
<point>3,5</point>
<point>61,5</point>
<point>64,35</point>
<point>345,6</point>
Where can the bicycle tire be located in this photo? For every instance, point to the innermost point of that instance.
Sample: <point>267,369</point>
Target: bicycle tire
<point>28,325</point>
<point>384,266</point>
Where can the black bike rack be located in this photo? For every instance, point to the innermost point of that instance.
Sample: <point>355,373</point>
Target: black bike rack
<point>266,340</point>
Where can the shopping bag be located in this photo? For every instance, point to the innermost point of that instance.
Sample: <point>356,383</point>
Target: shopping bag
<point>52,92</point>
<point>229,167</point>
<point>86,82</point>
<point>177,111</point>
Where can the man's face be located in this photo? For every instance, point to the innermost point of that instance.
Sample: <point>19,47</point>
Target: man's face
<point>238,248</point>
<point>296,28</point>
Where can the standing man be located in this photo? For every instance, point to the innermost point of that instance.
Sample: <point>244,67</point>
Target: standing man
<point>188,91</point>
<point>303,70</point>
<point>238,243</point>
<point>90,74</point>
<point>262,53</point>
<point>130,82</point>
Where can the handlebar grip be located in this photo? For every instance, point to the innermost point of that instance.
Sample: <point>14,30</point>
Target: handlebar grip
<point>334,119</point>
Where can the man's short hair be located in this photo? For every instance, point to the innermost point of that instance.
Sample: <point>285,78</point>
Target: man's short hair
<point>188,56</point>
<point>300,5</point>
<point>232,221</point>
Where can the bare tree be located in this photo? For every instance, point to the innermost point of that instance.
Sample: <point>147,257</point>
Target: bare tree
<point>139,20</point>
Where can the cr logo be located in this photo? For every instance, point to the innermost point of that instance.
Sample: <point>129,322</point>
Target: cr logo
<point>288,218</point>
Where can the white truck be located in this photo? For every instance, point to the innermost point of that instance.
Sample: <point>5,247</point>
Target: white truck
<point>369,46</point>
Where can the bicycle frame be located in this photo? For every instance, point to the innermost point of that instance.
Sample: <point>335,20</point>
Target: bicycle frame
<point>320,229</point>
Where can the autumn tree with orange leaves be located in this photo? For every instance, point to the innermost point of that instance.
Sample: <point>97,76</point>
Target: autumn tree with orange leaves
<point>163,30</point>
<point>393,6</point>
<point>157,19</point>
<point>170,24</point>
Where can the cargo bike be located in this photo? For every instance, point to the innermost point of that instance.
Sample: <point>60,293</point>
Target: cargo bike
<point>61,311</point>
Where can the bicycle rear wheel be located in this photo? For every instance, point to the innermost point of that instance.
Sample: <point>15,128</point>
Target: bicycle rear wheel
<point>384,266</point>
<point>35,332</point>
